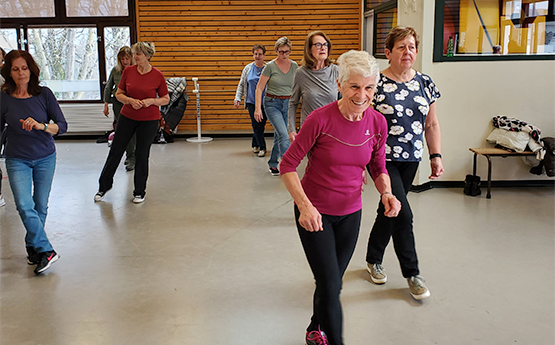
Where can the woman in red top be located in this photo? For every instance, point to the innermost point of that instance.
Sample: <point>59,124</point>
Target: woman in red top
<point>142,90</point>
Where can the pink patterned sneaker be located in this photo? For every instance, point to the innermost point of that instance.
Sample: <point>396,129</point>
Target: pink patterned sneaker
<point>316,338</point>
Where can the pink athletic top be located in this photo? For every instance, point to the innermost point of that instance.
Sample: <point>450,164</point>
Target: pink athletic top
<point>338,152</point>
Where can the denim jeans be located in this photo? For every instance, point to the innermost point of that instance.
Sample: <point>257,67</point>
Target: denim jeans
<point>276,111</point>
<point>30,182</point>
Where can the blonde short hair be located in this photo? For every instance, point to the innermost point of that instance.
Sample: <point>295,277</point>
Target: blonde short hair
<point>357,62</point>
<point>144,47</point>
<point>283,41</point>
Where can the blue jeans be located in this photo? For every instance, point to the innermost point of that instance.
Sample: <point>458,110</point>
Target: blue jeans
<point>30,182</point>
<point>276,111</point>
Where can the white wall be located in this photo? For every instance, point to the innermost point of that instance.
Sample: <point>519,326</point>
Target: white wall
<point>474,92</point>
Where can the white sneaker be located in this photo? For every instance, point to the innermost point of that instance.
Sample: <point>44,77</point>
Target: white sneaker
<point>99,196</point>
<point>2,202</point>
<point>137,199</point>
<point>261,153</point>
<point>255,149</point>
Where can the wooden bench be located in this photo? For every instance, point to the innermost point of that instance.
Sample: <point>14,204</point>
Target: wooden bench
<point>494,152</point>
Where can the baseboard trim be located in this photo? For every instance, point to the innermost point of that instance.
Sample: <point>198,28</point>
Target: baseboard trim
<point>460,184</point>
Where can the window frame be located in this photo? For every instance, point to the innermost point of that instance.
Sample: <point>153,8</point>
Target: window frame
<point>438,44</point>
<point>61,20</point>
<point>374,12</point>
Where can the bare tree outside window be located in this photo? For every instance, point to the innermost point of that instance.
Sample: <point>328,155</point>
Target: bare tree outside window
<point>26,8</point>
<point>96,8</point>
<point>68,58</point>
<point>114,39</point>
<point>8,39</point>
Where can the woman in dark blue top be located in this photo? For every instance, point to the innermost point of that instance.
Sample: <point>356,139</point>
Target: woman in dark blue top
<point>407,100</point>
<point>33,116</point>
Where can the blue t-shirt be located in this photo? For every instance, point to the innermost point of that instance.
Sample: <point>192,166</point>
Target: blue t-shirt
<point>252,81</point>
<point>34,144</point>
<point>405,107</point>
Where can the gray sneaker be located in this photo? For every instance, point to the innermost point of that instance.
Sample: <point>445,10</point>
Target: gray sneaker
<point>377,273</point>
<point>418,289</point>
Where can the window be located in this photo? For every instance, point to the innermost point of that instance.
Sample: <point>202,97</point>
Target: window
<point>96,8</point>
<point>68,58</point>
<point>8,39</point>
<point>77,48</point>
<point>380,18</point>
<point>494,30</point>
<point>26,8</point>
<point>114,39</point>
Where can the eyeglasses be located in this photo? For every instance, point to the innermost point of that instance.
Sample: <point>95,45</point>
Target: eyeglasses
<point>321,45</point>
<point>281,52</point>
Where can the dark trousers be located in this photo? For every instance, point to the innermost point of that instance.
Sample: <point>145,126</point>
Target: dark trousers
<point>257,128</point>
<point>126,128</point>
<point>400,227</point>
<point>130,149</point>
<point>328,253</point>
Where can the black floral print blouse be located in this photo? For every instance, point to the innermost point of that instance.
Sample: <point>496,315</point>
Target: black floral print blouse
<point>405,107</point>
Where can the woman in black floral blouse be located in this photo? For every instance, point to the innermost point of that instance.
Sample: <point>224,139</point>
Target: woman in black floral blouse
<point>406,98</point>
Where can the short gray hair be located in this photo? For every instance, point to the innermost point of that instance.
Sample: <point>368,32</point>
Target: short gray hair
<point>144,47</point>
<point>360,62</point>
<point>283,41</point>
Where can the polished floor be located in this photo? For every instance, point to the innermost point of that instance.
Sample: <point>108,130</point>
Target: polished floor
<point>213,257</point>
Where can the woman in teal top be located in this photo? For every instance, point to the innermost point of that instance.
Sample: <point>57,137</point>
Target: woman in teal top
<point>277,77</point>
<point>125,59</point>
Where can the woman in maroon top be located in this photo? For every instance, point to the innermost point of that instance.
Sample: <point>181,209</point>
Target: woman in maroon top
<point>142,90</point>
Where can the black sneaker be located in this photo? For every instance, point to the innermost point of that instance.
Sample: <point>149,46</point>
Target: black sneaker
<point>130,167</point>
<point>33,257</point>
<point>46,259</point>
<point>274,171</point>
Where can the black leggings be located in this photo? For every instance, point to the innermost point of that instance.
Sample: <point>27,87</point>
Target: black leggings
<point>126,128</point>
<point>400,227</point>
<point>328,253</point>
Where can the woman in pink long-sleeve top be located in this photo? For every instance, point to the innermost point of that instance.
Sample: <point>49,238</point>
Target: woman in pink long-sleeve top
<point>341,140</point>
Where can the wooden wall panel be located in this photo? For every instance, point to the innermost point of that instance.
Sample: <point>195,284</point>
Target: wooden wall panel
<point>214,38</point>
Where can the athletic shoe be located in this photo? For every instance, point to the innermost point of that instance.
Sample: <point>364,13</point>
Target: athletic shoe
<point>2,202</point>
<point>418,289</point>
<point>47,259</point>
<point>316,338</point>
<point>274,171</point>
<point>111,139</point>
<point>255,149</point>
<point>33,257</point>
<point>377,273</point>
<point>137,199</point>
<point>261,153</point>
<point>99,196</point>
<point>130,167</point>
